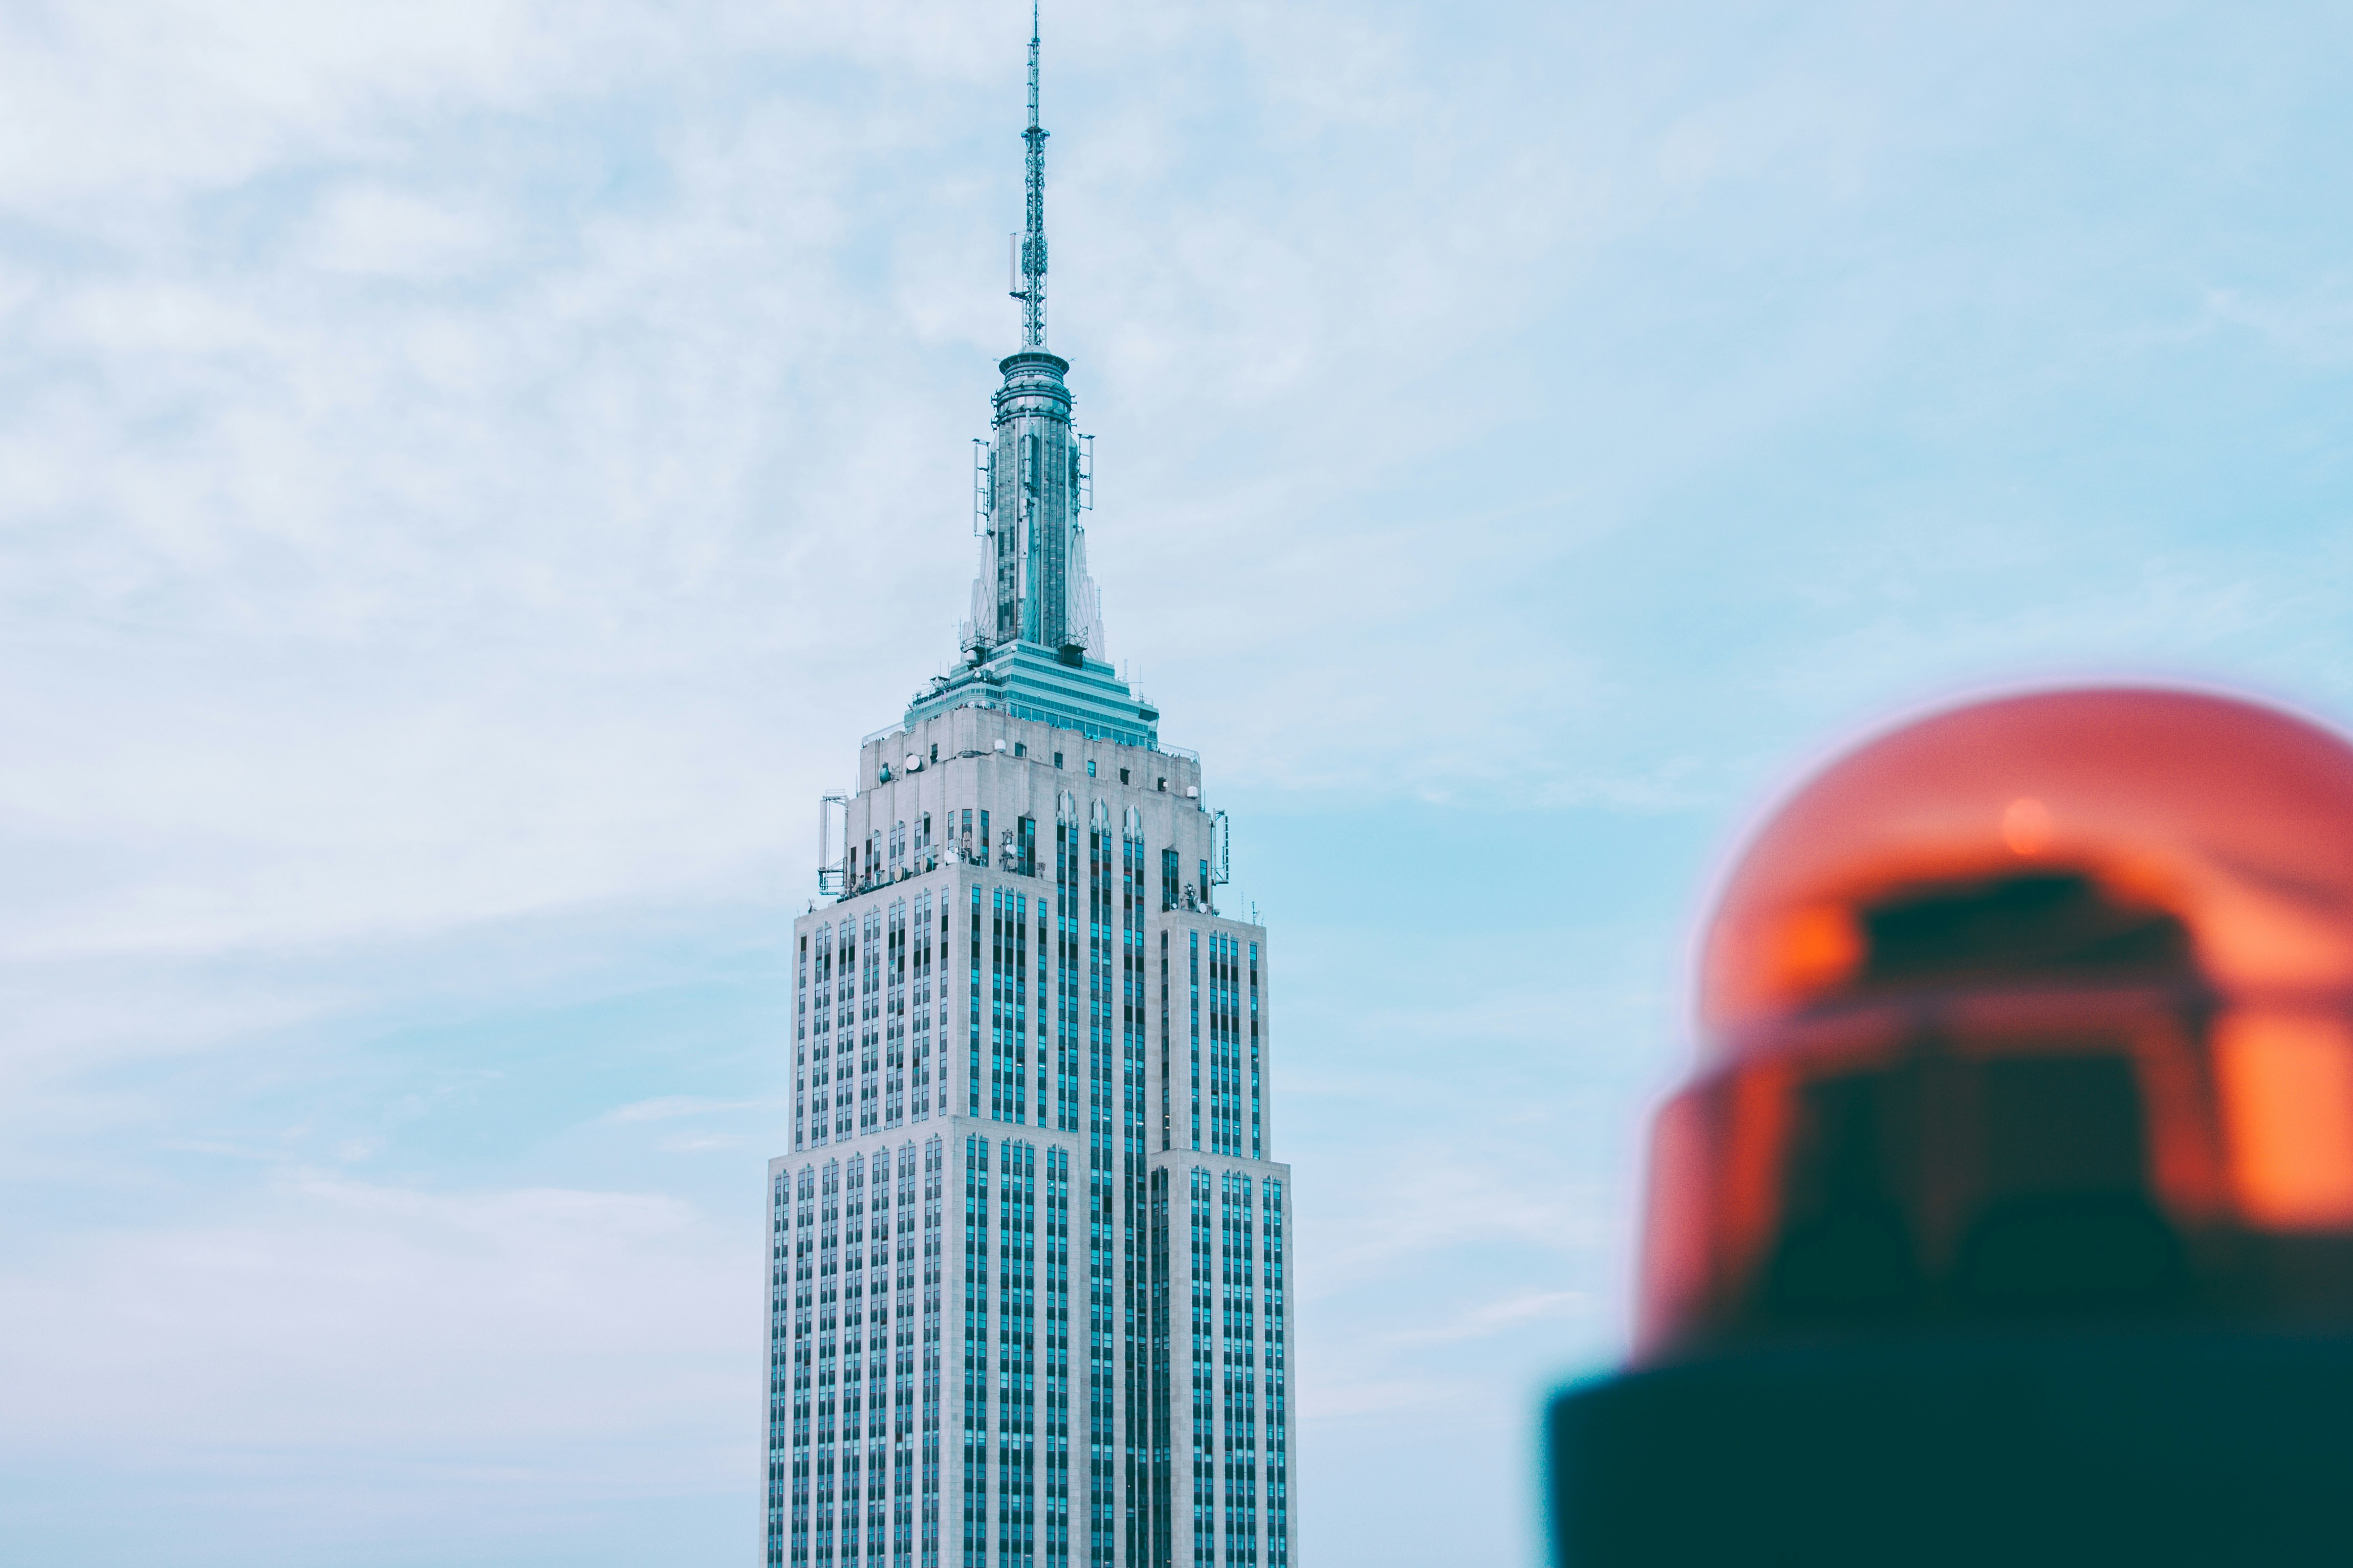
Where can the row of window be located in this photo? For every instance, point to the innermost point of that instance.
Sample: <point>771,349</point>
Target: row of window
<point>856,1473</point>
<point>854,1446</point>
<point>892,1081</point>
<point>1128,1482</point>
<point>1018,1468</point>
<point>863,1055</point>
<point>1238,1494</point>
<point>1017,852</point>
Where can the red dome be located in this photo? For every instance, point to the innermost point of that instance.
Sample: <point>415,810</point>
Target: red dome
<point>2041,1005</point>
<point>2238,819</point>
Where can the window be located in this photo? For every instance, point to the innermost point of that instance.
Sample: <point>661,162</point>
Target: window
<point>935,750</point>
<point>1090,767</point>
<point>1123,775</point>
<point>1193,980</point>
<point>1058,759</point>
<point>1163,787</point>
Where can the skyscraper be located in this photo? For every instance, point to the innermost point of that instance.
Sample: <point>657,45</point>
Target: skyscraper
<point>1028,1250</point>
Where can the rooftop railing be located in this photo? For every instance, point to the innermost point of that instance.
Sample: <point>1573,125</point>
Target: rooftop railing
<point>1189,899</point>
<point>1054,720</point>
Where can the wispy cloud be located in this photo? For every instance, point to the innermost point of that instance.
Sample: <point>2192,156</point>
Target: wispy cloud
<point>469,469</point>
<point>670,1107</point>
<point>2316,326</point>
<point>705,1143</point>
<point>1519,1310</point>
<point>369,1318</point>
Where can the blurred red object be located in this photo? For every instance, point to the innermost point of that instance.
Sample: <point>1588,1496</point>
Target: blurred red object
<point>2009,1218</point>
<point>2038,1008</point>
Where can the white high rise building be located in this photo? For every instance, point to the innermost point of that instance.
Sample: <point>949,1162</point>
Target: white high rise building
<point>1029,1248</point>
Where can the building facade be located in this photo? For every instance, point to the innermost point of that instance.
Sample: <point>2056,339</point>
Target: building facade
<point>1029,1250</point>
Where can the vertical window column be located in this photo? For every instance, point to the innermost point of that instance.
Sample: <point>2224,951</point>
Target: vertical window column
<point>1242,1428</point>
<point>935,1266</point>
<point>1066,974</point>
<point>869,1025</point>
<point>1000,943</point>
<point>1278,1402</point>
<point>1203,1451</point>
<point>845,1027</point>
<point>780,1214</point>
<point>851,1457</point>
<point>1045,1010</point>
<point>976,1353</point>
<point>974,993</point>
<point>801,1043</point>
<point>903,1364</point>
<point>816,1104</point>
<point>1016,1353</point>
<point>1258,1119</point>
<point>879,1395</point>
<point>1009,1071</point>
<point>1164,1513</point>
<point>1167,1080</point>
<point>1228,1371</point>
<point>802,1367</point>
<point>1226,1046</point>
<point>1055,1388</point>
<point>1219,1083</point>
<point>1193,965</point>
<point>1019,982</point>
<point>1147,1528</point>
<point>1214,975</point>
<point>895,1017</point>
<point>829,1388</point>
<point>1102,1220</point>
<point>941,1074</point>
<point>928,968</point>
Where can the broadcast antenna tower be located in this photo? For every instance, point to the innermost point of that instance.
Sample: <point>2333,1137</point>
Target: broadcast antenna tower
<point>1032,294</point>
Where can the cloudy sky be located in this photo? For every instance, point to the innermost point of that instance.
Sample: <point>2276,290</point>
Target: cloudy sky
<point>470,470</point>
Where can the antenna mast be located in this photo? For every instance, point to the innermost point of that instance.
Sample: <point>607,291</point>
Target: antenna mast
<point>1032,293</point>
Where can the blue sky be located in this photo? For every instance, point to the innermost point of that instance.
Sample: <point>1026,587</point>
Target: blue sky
<point>470,470</point>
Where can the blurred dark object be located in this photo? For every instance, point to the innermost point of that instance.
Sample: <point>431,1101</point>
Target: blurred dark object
<point>2009,1218</point>
<point>1919,1451</point>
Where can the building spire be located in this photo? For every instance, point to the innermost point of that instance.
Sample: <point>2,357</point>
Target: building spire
<point>1034,643</point>
<point>1032,293</point>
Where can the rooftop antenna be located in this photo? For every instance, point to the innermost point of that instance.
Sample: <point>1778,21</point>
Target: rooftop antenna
<point>1032,294</point>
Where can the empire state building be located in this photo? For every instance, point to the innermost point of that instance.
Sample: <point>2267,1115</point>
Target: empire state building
<point>1029,1251</point>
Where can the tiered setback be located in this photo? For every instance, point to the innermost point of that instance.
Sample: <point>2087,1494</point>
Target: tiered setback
<point>1030,1178</point>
